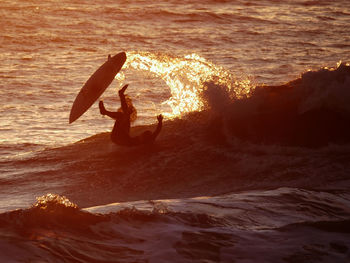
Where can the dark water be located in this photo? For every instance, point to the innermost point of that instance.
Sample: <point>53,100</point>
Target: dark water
<point>239,173</point>
<point>284,225</point>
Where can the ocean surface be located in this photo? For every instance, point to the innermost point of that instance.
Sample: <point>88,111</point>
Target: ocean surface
<point>252,163</point>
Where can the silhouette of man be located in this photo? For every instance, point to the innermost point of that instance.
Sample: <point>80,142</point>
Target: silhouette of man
<point>123,117</point>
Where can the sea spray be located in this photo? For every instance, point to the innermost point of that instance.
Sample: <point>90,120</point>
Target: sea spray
<point>187,78</point>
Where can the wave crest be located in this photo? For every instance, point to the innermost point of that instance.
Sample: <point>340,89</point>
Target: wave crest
<point>187,78</point>
<point>327,87</point>
<point>51,202</point>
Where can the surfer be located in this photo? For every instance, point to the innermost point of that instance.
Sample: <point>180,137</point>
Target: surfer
<point>123,117</point>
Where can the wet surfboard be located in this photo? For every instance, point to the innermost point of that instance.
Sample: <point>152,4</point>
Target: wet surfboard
<point>96,85</point>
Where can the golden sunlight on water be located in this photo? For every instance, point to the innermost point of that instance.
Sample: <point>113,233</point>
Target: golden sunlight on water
<point>187,78</point>
<point>51,201</point>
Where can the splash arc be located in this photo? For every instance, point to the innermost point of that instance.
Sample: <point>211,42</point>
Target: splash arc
<point>96,85</point>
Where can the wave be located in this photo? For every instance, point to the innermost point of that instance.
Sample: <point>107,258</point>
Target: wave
<point>18,151</point>
<point>311,111</point>
<point>228,136</point>
<point>202,228</point>
<point>225,134</point>
<point>54,228</point>
<point>189,159</point>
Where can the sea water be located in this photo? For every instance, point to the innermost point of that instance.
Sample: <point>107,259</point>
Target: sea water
<point>211,189</point>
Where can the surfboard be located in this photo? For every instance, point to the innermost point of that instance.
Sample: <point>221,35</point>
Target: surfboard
<point>96,85</point>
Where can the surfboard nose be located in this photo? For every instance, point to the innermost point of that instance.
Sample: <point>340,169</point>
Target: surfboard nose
<point>120,56</point>
<point>123,54</point>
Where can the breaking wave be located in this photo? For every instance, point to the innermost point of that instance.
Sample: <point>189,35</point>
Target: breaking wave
<point>196,229</point>
<point>311,111</point>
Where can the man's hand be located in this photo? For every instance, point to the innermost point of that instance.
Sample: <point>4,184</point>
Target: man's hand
<point>160,118</point>
<point>102,108</point>
<point>122,90</point>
